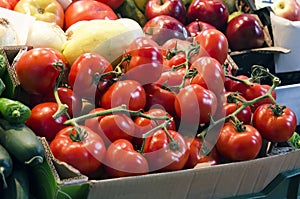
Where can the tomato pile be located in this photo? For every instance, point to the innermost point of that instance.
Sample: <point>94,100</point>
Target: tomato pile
<point>159,108</point>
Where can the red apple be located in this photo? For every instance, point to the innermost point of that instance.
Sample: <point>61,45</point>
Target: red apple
<point>213,12</point>
<point>163,27</point>
<point>114,4</point>
<point>173,8</point>
<point>289,9</point>
<point>197,26</point>
<point>244,32</point>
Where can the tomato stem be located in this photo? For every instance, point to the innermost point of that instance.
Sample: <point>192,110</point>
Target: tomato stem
<point>62,108</point>
<point>77,134</point>
<point>277,109</point>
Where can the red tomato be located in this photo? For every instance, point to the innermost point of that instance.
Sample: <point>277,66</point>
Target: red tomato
<point>143,125</point>
<point>84,152</point>
<point>164,155</point>
<point>145,59</point>
<point>195,156</point>
<point>112,127</point>
<point>67,97</point>
<point>210,74</point>
<point>5,4</point>
<point>214,42</point>
<point>244,115</point>
<point>87,10</point>
<point>236,86</point>
<point>239,145</point>
<point>114,4</point>
<point>175,60</point>
<point>158,97</point>
<point>41,120</point>
<point>122,160</point>
<point>36,72</point>
<point>193,104</point>
<point>274,122</point>
<point>125,92</point>
<point>84,73</point>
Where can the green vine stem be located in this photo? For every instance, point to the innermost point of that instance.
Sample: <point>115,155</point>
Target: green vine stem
<point>62,108</point>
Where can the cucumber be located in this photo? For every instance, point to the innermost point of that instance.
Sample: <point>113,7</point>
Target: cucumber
<point>14,111</point>
<point>18,185</point>
<point>22,143</point>
<point>6,165</point>
<point>3,64</point>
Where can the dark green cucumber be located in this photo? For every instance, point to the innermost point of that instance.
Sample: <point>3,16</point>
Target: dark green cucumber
<point>3,64</point>
<point>17,185</point>
<point>22,143</point>
<point>14,111</point>
<point>6,165</point>
<point>2,86</point>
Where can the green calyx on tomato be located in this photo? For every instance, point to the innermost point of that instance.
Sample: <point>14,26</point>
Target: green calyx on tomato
<point>77,134</point>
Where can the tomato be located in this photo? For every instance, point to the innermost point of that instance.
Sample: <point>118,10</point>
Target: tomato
<point>143,125</point>
<point>125,92</point>
<point>80,147</point>
<point>244,115</point>
<point>275,123</point>
<point>112,127</point>
<point>193,104</point>
<point>236,86</point>
<point>122,160</point>
<point>5,4</point>
<point>214,42</point>
<point>44,10</point>
<point>164,154</point>
<point>258,90</point>
<point>158,97</point>
<point>41,120</point>
<point>175,60</point>
<point>195,156</point>
<point>145,59</point>
<point>84,74</point>
<point>114,4</point>
<point>210,74</point>
<point>237,144</point>
<point>36,72</point>
<point>87,10</point>
<point>67,96</point>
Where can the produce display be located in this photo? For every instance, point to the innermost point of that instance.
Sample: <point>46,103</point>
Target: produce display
<point>128,88</point>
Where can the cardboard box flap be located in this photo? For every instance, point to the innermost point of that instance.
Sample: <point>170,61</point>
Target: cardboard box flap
<point>269,49</point>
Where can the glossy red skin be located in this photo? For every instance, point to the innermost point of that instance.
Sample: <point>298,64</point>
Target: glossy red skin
<point>244,115</point>
<point>163,27</point>
<point>159,154</point>
<point>274,128</point>
<point>42,123</point>
<point>176,60</point>
<point>36,65</point>
<point>146,58</point>
<point>86,156</point>
<point>114,4</point>
<point>156,96</point>
<point>238,146</point>
<point>172,8</point>
<point>214,43</point>
<point>196,27</point>
<point>67,97</point>
<point>195,156</point>
<point>5,4</point>
<point>197,100</point>
<point>87,10</point>
<point>143,125</point>
<point>82,72</point>
<point>213,12</point>
<point>244,32</point>
<point>210,74</point>
<point>122,160</point>
<point>236,86</point>
<point>257,90</point>
<point>128,92</point>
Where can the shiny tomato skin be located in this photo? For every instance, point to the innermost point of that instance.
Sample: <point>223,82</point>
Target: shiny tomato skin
<point>160,156</point>
<point>239,146</point>
<point>214,43</point>
<point>193,104</point>
<point>36,72</point>
<point>274,128</point>
<point>87,155</point>
<point>5,4</point>
<point>195,156</point>
<point>122,160</point>
<point>83,71</point>
<point>236,86</point>
<point>42,123</point>
<point>87,10</point>
<point>124,92</point>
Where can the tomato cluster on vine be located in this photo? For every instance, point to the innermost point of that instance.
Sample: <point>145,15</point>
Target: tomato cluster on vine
<point>157,108</point>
